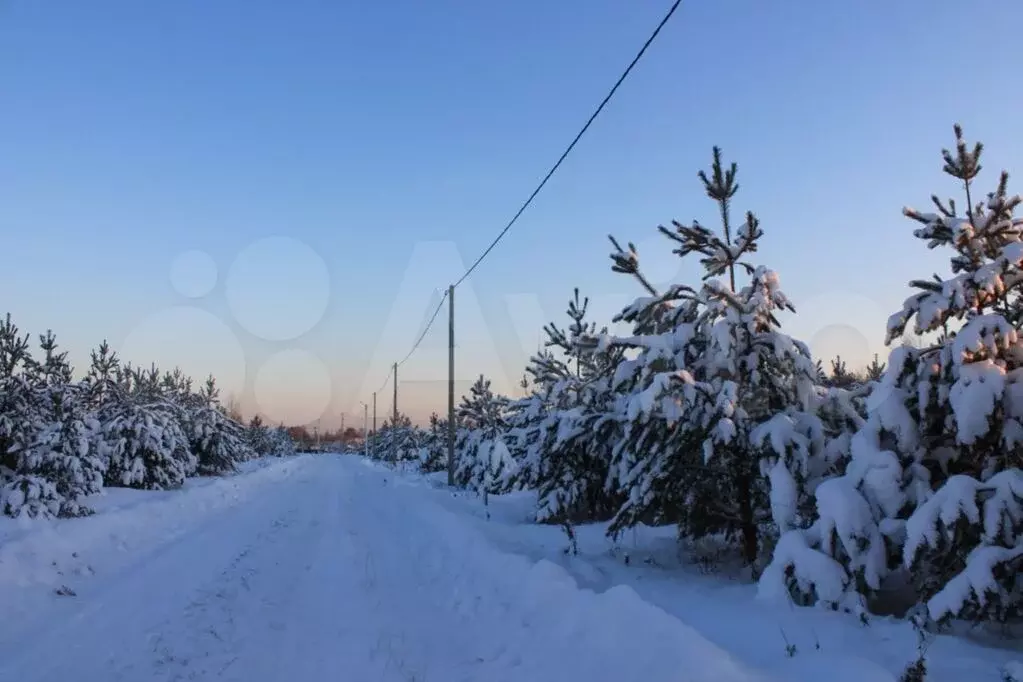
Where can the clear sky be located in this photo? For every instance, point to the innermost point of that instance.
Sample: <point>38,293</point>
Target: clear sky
<point>273,191</point>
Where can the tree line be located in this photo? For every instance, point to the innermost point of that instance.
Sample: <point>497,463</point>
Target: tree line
<point>836,488</point>
<point>62,440</point>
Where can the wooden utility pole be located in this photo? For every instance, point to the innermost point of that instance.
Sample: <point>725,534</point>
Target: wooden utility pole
<point>374,424</point>
<point>365,429</point>
<point>394,419</point>
<point>451,385</point>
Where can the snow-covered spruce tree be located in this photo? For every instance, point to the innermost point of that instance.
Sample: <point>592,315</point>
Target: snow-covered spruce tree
<point>259,437</point>
<point>482,460</point>
<point>398,441</point>
<point>147,447</point>
<point>18,420</point>
<point>840,376</point>
<point>720,436</point>
<point>532,421</point>
<point>841,556</point>
<point>964,401</point>
<point>582,427</point>
<point>281,442</point>
<point>61,463</point>
<point>875,370</point>
<point>216,439</point>
<point>933,483</point>
<point>177,388</point>
<point>380,443</point>
<point>840,404</point>
<point>433,448</point>
<point>102,385</point>
<point>21,420</point>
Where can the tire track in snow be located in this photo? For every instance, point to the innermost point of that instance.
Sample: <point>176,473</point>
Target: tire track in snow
<point>338,574</point>
<point>204,640</point>
<point>105,636</point>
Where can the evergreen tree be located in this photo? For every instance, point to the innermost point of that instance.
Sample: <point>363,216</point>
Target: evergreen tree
<point>61,440</point>
<point>720,433</point>
<point>840,376</point>
<point>964,545</point>
<point>532,421</point>
<point>875,370</point>
<point>61,462</point>
<point>18,416</point>
<point>216,439</point>
<point>433,451</point>
<point>259,437</point>
<point>103,376</point>
<point>177,388</point>
<point>482,457</point>
<point>142,428</point>
<point>281,442</point>
<point>580,432</point>
<point>398,441</point>
<point>933,483</point>
<point>819,372</point>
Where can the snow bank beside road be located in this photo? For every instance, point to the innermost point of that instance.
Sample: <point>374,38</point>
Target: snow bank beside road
<point>535,621</point>
<point>649,644</point>
<point>719,605</point>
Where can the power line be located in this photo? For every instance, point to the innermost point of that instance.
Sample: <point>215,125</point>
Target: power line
<point>433,318</point>
<point>568,150</point>
<point>386,379</point>
<point>429,324</point>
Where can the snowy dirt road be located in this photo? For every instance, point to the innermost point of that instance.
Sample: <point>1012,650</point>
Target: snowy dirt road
<point>341,571</point>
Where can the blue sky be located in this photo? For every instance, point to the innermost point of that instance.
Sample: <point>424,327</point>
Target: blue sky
<point>382,145</point>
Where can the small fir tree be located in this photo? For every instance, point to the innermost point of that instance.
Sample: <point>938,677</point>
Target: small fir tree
<point>61,463</point>
<point>965,543</point>
<point>933,482</point>
<point>482,457</point>
<point>875,370</point>
<point>216,439</point>
<point>259,437</point>
<point>719,436</point>
<point>576,484</point>
<point>433,451</point>
<point>142,435</point>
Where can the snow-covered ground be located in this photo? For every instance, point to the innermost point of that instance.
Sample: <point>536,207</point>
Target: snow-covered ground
<point>334,568</point>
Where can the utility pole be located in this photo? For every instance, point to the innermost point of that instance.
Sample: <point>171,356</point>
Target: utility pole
<point>365,429</point>
<point>374,423</point>
<point>451,385</point>
<point>394,419</point>
<point>343,432</point>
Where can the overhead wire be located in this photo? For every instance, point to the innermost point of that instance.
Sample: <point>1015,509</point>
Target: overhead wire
<point>386,379</point>
<point>433,318</point>
<point>575,140</point>
<point>429,324</point>
<point>568,150</point>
